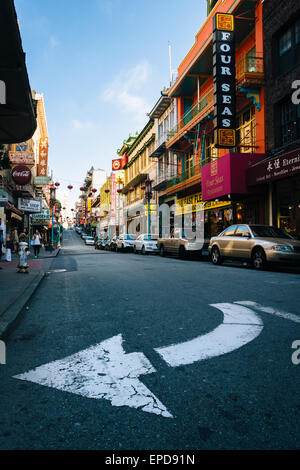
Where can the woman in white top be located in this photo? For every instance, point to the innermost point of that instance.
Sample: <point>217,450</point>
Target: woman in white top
<point>36,241</point>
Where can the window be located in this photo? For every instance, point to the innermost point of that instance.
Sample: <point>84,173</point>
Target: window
<point>189,164</point>
<point>288,48</point>
<point>211,153</point>
<point>245,130</point>
<point>290,122</point>
<point>242,231</point>
<point>285,42</point>
<point>229,232</point>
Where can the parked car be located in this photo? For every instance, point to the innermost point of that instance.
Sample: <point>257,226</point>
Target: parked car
<point>84,235</point>
<point>125,242</point>
<point>260,244</point>
<point>180,245</point>
<point>89,241</point>
<point>146,243</point>
<point>113,243</point>
<point>78,230</point>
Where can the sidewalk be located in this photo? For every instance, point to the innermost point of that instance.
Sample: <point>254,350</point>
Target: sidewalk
<point>16,289</point>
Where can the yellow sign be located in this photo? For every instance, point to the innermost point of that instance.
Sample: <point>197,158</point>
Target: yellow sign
<point>225,22</point>
<point>227,137</point>
<point>194,203</point>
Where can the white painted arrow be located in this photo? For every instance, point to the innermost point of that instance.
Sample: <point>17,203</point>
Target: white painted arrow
<point>102,371</point>
<point>240,326</point>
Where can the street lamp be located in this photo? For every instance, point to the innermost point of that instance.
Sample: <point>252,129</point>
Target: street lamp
<point>148,195</point>
<point>52,203</point>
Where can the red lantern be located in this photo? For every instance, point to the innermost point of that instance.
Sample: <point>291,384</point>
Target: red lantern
<point>131,189</point>
<point>107,191</point>
<point>94,190</point>
<point>64,208</point>
<point>119,190</point>
<point>143,187</point>
<point>82,188</point>
<point>70,187</point>
<point>72,210</point>
<point>57,184</point>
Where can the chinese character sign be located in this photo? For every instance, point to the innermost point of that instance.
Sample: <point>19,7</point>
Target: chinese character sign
<point>43,157</point>
<point>224,80</point>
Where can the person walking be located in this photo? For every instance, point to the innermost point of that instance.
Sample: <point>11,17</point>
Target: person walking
<point>15,239</point>
<point>36,242</point>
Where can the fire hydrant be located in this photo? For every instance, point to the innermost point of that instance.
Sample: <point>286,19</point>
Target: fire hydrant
<point>23,254</point>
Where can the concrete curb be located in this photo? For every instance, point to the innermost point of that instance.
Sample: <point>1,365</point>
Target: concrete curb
<point>11,314</point>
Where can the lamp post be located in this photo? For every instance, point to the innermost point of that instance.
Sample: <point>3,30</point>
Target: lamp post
<point>148,194</point>
<point>52,202</point>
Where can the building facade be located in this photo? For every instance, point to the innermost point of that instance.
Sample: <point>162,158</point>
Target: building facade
<point>206,174</point>
<point>279,174</point>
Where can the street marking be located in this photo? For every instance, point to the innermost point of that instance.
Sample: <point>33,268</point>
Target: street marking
<point>240,326</point>
<point>272,311</point>
<point>103,371</point>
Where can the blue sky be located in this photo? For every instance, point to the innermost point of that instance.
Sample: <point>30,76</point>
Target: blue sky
<point>101,65</point>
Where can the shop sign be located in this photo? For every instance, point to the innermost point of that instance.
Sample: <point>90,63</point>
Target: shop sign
<point>21,158</point>
<point>3,201</point>
<point>113,195</point>
<point>124,161</point>
<point>117,164</point>
<point>38,222</point>
<point>274,169</point>
<point>29,205</point>
<point>41,180</point>
<point>194,203</point>
<point>21,174</point>
<point>44,215</point>
<point>224,80</point>
<point>43,157</point>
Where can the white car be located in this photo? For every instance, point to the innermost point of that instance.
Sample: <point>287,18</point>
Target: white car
<point>146,243</point>
<point>89,241</point>
<point>125,242</point>
<point>84,235</point>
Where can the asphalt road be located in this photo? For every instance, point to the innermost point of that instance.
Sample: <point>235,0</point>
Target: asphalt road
<point>244,399</point>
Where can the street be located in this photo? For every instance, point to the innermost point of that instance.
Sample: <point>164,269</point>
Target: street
<point>247,398</point>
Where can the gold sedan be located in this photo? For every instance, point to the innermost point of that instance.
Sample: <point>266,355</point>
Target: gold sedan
<point>260,244</point>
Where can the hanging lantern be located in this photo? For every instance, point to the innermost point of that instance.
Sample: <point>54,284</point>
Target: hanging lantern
<point>106,190</point>
<point>57,184</point>
<point>72,210</point>
<point>119,190</point>
<point>131,189</point>
<point>94,190</point>
<point>143,187</point>
<point>70,187</point>
<point>82,188</point>
<point>64,208</point>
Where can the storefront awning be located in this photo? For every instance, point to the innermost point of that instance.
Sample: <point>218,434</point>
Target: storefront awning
<point>227,175</point>
<point>274,169</point>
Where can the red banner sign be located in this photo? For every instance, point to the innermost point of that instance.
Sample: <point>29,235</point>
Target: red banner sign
<point>21,174</point>
<point>117,164</point>
<point>43,157</point>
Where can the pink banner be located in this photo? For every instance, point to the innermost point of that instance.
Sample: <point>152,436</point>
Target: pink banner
<point>113,195</point>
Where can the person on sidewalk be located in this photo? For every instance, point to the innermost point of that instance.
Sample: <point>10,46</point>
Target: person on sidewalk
<point>36,242</point>
<point>23,236</point>
<point>15,239</point>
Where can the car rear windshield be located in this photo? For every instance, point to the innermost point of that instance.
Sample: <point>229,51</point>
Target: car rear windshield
<point>269,232</point>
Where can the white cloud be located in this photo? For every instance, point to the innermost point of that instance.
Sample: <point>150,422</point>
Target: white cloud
<point>123,92</point>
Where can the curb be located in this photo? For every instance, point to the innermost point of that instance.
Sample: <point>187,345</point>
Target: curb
<point>12,314</point>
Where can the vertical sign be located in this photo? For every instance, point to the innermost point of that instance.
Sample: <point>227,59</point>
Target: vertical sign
<point>113,195</point>
<point>224,80</point>
<point>43,157</point>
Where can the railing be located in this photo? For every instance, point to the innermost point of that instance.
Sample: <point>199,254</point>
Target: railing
<point>163,175</point>
<point>249,64</point>
<point>205,103</point>
<point>185,176</point>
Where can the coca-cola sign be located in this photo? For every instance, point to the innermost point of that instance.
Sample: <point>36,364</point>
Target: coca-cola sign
<point>21,174</point>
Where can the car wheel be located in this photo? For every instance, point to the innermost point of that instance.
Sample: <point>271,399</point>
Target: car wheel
<point>216,256</point>
<point>143,250</point>
<point>182,253</point>
<point>258,258</point>
<point>162,251</point>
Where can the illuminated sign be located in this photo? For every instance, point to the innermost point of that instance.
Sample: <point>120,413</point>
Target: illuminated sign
<point>224,80</point>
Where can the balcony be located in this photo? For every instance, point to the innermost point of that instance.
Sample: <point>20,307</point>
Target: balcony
<point>163,175</point>
<point>186,178</point>
<point>192,117</point>
<point>250,71</point>
<point>160,145</point>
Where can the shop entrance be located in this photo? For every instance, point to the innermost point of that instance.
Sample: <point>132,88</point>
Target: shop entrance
<point>288,205</point>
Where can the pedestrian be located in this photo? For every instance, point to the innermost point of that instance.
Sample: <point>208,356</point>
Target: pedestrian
<point>9,247</point>
<point>36,242</point>
<point>1,243</point>
<point>23,236</point>
<point>15,239</point>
